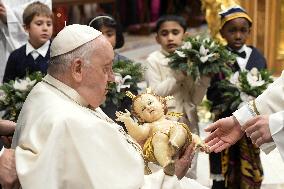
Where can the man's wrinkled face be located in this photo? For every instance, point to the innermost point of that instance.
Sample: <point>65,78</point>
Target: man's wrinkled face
<point>97,73</point>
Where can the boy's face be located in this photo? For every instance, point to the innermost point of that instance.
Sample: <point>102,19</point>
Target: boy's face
<point>170,36</point>
<point>110,34</point>
<point>236,32</point>
<point>40,30</point>
<point>148,107</point>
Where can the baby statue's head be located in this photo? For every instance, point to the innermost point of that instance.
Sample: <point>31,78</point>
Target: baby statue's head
<point>148,107</point>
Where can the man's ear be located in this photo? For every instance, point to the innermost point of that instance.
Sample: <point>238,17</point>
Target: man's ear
<point>77,69</point>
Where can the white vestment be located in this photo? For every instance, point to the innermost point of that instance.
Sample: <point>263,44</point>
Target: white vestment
<point>270,102</point>
<point>12,34</point>
<point>62,144</point>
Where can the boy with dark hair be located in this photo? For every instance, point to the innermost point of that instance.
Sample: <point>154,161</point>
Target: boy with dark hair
<point>238,167</point>
<point>165,81</point>
<point>34,56</point>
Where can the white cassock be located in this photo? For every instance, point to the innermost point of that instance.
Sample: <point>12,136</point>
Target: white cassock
<point>12,34</point>
<point>270,102</point>
<point>62,144</point>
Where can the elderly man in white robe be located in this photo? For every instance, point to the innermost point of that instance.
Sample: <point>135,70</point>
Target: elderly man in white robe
<point>63,138</point>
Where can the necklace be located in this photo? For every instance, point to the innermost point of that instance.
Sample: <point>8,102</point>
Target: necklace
<point>101,116</point>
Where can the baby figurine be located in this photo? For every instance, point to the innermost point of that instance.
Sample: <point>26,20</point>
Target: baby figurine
<point>162,140</point>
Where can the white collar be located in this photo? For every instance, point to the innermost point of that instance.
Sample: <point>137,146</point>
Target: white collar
<point>42,50</point>
<point>66,90</point>
<point>244,47</point>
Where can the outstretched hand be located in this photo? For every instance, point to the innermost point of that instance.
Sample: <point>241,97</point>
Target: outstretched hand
<point>258,130</point>
<point>123,116</point>
<point>224,133</point>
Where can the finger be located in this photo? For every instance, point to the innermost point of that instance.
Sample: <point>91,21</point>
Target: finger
<point>249,123</point>
<point>222,147</point>
<point>217,145</point>
<point>254,136</point>
<point>189,150</point>
<point>259,142</point>
<point>212,142</point>
<point>212,127</point>
<point>251,129</point>
<point>211,136</point>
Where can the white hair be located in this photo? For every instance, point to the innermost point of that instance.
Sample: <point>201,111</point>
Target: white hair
<point>59,64</point>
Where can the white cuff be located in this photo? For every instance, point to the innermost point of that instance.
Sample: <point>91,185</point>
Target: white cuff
<point>244,114</point>
<point>267,147</point>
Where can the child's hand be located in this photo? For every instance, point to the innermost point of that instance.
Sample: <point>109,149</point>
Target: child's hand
<point>122,117</point>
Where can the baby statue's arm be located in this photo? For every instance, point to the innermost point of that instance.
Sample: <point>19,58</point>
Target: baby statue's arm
<point>138,132</point>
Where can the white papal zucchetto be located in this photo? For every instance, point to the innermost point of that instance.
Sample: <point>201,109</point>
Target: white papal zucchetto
<point>72,37</point>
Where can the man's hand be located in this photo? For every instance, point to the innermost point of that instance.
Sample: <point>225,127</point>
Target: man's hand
<point>8,174</point>
<point>3,14</point>
<point>225,132</point>
<point>258,130</point>
<point>184,162</point>
<point>7,127</point>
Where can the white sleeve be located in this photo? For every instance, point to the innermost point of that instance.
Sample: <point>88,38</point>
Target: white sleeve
<point>276,125</point>
<point>154,81</point>
<point>159,180</point>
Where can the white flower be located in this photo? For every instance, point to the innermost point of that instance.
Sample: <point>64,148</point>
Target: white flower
<point>186,45</point>
<point>207,39</point>
<point>254,78</point>
<point>120,81</point>
<point>245,97</point>
<point>2,97</point>
<point>180,53</point>
<point>203,52</point>
<point>204,59</point>
<point>23,84</point>
<point>234,79</point>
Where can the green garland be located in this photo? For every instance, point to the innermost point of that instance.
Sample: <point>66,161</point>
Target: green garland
<point>14,94</point>
<point>201,55</point>
<point>123,69</point>
<point>241,87</point>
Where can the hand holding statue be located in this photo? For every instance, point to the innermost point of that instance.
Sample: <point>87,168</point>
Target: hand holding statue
<point>164,141</point>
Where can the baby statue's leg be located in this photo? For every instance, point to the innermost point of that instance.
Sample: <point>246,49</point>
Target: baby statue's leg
<point>163,153</point>
<point>178,136</point>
